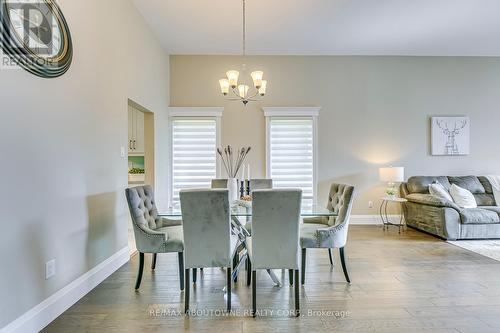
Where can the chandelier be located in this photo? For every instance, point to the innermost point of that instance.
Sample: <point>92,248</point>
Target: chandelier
<point>243,92</point>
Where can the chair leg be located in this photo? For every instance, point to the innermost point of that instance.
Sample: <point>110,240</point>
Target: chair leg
<point>249,271</point>
<point>228,287</point>
<point>195,271</point>
<point>186,292</point>
<point>254,293</point>
<point>297,295</point>
<point>181,269</point>
<point>153,262</point>
<point>139,273</point>
<point>330,256</point>
<point>344,267</point>
<point>235,263</point>
<point>303,266</point>
<point>290,276</point>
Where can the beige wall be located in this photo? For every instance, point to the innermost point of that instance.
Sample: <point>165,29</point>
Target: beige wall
<point>375,111</point>
<point>63,179</point>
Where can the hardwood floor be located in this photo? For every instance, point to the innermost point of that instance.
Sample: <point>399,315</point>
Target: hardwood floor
<point>400,283</point>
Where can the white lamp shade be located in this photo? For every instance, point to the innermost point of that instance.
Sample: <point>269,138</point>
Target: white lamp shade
<point>392,174</point>
<point>224,86</point>
<point>257,78</point>
<point>262,89</point>
<point>243,90</point>
<point>232,77</point>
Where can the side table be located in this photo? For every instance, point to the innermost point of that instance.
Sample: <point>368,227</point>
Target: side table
<point>385,217</point>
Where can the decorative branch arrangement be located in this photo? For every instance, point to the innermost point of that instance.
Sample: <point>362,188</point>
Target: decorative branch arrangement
<point>232,162</point>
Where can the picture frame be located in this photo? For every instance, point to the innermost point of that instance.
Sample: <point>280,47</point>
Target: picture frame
<point>450,136</point>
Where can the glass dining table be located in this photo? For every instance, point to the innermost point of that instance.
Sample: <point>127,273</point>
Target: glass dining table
<point>241,214</point>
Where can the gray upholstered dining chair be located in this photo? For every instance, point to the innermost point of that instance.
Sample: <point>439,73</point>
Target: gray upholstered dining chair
<point>153,234</point>
<point>261,184</point>
<point>206,221</point>
<point>327,233</point>
<point>219,183</point>
<point>275,239</point>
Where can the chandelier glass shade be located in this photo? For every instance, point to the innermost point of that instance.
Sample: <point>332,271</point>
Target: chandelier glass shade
<point>242,92</point>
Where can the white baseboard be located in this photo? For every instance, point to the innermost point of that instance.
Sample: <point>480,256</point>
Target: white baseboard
<point>370,219</point>
<point>44,313</point>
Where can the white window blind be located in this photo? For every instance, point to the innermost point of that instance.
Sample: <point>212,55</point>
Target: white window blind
<point>291,154</point>
<point>194,160</point>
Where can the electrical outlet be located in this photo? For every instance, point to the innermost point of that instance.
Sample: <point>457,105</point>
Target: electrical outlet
<point>50,269</point>
<point>370,204</point>
<point>122,151</point>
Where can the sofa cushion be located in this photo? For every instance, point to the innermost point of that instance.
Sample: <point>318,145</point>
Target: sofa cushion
<point>420,184</point>
<point>462,197</point>
<point>438,190</point>
<point>484,199</point>
<point>486,184</point>
<point>479,186</point>
<point>495,209</point>
<point>470,183</point>
<point>479,216</point>
<point>431,200</point>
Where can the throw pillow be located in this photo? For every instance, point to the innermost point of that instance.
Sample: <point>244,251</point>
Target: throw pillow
<point>438,190</point>
<point>462,197</point>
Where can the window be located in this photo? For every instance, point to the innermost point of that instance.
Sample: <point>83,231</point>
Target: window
<point>194,142</point>
<point>291,152</point>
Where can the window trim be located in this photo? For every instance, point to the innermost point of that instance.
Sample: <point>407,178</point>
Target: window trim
<point>294,112</point>
<point>180,113</point>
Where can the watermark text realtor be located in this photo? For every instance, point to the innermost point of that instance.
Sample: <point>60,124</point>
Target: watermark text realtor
<point>158,311</point>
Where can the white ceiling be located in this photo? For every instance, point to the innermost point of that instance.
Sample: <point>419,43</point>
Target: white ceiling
<point>327,27</point>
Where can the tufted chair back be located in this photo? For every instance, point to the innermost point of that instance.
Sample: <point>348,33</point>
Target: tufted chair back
<point>142,206</point>
<point>340,201</point>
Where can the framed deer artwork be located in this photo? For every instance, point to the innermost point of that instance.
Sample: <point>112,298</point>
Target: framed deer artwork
<point>450,135</point>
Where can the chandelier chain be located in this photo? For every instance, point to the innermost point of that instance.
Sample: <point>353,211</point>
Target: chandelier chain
<point>229,85</point>
<point>244,29</point>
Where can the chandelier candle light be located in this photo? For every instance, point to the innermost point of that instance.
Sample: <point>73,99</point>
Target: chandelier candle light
<point>242,92</point>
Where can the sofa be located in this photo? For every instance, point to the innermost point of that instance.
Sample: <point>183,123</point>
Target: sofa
<point>444,218</point>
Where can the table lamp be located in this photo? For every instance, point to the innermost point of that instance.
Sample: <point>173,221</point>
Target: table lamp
<point>391,175</point>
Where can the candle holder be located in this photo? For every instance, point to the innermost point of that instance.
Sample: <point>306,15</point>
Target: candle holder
<point>242,188</point>
<point>248,187</point>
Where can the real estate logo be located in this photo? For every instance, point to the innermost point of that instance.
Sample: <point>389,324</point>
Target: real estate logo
<point>28,27</point>
<point>7,62</point>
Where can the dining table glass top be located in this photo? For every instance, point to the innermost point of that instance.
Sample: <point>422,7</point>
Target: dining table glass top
<point>242,208</point>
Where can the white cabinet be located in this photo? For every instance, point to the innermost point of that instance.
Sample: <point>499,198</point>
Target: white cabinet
<point>131,117</point>
<point>139,132</point>
<point>135,131</point>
